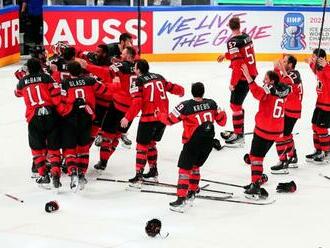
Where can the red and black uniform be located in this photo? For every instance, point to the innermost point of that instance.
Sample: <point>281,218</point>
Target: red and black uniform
<point>240,51</point>
<point>62,68</point>
<point>149,92</point>
<point>102,102</point>
<point>122,99</point>
<point>292,112</point>
<point>91,58</point>
<point>197,137</point>
<point>321,115</point>
<point>42,96</point>
<point>269,123</point>
<point>78,113</point>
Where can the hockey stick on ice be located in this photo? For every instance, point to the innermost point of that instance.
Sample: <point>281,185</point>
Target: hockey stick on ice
<point>14,198</point>
<point>222,183</point>
<point>213,198</point>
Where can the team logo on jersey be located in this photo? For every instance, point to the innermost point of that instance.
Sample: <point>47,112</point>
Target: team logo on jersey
<point>293,35</point>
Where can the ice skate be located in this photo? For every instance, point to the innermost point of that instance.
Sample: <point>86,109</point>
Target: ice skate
<point>136,182</point>
<point>43,181</point>
<point>254,192</point>
<point>74,184</point>
<point>310,157</point>
<point>293,161</point>
<point>101,165</point>
<point>178,205</point>
<point>191,198</point>
<point>235,140</point>
<point>280,168</point>
<point>319,158</point>
<point>126,142</point>
<point>152,175</point>
<point>82,181</point>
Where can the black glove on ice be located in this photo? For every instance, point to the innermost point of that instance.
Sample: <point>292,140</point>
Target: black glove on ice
<point>286,187</point>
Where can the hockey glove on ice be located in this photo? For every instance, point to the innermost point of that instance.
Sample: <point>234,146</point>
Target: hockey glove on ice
<point>286,187</point>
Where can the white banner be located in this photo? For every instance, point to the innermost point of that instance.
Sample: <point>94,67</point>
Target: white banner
<point>208,31</point>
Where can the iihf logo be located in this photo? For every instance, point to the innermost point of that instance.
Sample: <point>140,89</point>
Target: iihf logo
<point>293,36</point>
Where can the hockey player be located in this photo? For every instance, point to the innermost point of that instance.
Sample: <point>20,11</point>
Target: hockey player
<point>111,129</point>
<point>197,115</point>
<point>42,96</point>
<point>149,93</point>
<point>292,112</point>
<point>80,92</point>
<point>240,51</point>
<point>115,50</point>
<point>269,125</point>
<point>100,57</point>
<point>321,115</point>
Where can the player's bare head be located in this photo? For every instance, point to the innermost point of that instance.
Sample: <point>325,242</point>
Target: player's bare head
<point>235,23</point>
<point>69,53</point>
<point>197,89</point>
<point>320,53</point>
<point>125,39</point>
<point>102,51</point>
<point>128,53</point>
<point>271,77</point>
<point>74,68</point>
<point>141,67</point>
<point>289,62</point>
<point>34,65</point>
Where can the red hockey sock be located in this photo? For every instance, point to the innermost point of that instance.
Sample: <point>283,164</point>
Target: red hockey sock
<point>256,168</point>
<point>152,155</point>
<point>141,156</point>
<point>95,130</point>
<point>183,182</point>
<point>39,159</point>
<point>316,140</point>
<point>194,179</point>
<point>283,146</point>
<point>54,158</point>
<point>70,159</point>
<point>107,145</point>
<point>238,118</point>
<point>83,158</point>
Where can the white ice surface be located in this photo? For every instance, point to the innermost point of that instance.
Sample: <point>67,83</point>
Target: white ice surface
<point>106,215</point>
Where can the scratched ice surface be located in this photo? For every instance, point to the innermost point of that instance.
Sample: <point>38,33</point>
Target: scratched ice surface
<point>106,215</point>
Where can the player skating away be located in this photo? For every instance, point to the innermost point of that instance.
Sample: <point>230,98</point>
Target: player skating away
<point>111,129</point>
<point>321,115</point>
<point>197,115</point>
<point>269,124</point>
<point>149,93</point>
<point>79,101</point>
<point>292,112</point>
<point>42,95</point>
<point>240,51</point>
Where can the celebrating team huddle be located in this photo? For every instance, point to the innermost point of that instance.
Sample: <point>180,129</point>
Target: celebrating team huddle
<point>75,98</point>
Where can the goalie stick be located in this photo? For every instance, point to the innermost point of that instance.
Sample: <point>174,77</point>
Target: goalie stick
<point>213,198</point>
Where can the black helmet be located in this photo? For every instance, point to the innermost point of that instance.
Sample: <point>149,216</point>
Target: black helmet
<point>153,227</point>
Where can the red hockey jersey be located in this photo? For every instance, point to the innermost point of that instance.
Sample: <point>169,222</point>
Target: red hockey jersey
<point>293,101</point>
<point>149,92</point>
<point>193,114</point>
<point>323,87</point>
<point>39,90</point>
<point>269,120</point>
<point>85,88</point>
<point>241,51</point>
